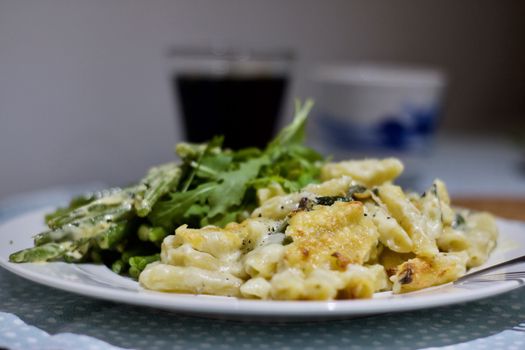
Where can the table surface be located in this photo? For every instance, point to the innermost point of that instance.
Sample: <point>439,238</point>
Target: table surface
<point>509,208</point>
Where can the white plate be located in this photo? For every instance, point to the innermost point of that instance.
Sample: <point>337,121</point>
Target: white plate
<point>98,281</point>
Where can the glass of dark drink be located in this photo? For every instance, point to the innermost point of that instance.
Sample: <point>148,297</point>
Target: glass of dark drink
<point>237,94</point>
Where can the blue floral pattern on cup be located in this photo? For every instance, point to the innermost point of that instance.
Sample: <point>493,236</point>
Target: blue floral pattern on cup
<point>410,130</point>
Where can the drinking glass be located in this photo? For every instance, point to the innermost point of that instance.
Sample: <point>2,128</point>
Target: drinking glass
<point>235,93</point>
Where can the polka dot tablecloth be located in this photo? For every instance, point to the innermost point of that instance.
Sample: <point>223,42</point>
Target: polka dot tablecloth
<point>38,317</point>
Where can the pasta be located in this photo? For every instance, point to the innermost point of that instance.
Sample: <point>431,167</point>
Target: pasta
<point>348,237</point>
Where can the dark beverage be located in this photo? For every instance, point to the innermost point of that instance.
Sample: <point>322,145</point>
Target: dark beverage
<point>244,109</point>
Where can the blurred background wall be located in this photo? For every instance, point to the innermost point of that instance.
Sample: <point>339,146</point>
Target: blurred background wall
<point>84,85</point>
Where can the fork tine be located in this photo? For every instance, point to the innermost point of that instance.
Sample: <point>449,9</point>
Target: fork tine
<point>506,276</point>
<point>491,268</point>
<point>515,275</point>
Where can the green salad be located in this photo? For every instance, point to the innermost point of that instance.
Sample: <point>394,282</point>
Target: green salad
<point>124,227</point>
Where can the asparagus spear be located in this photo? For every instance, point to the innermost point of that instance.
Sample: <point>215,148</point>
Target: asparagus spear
<point>87,227</point>
<point>139,263</point>
<point>102,222</point>
<point>78,253</point>
<point>152,234</point>
<point>74,248</point>
<point>119,266</point>
<point>134,261</point>
<point>77,202</point>
<point>45,252</point>
<point>157,183</point>
<point>113,235</point>
<point>118,201</point>
<point>73,204</point>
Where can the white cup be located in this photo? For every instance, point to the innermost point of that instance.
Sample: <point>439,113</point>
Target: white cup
<point>371,110</point>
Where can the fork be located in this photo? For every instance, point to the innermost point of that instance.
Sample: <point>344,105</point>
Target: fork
<point>506,276</point>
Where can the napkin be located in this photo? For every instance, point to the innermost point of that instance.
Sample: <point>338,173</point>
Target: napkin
<point>15,334</point>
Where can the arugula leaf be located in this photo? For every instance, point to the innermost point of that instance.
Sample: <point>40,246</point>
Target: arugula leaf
<point>293,133</point>
<point>212,165</point>
<point>172,212</point>
<point>233,184</point>
<point>222,219</point>
<point>219,186</point>
<point>262,182</point>
<point>192,151</point>
<point>199,153</point>
<point>246,153</point>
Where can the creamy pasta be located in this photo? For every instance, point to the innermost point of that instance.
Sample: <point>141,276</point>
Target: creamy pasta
<point>350,236</point>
